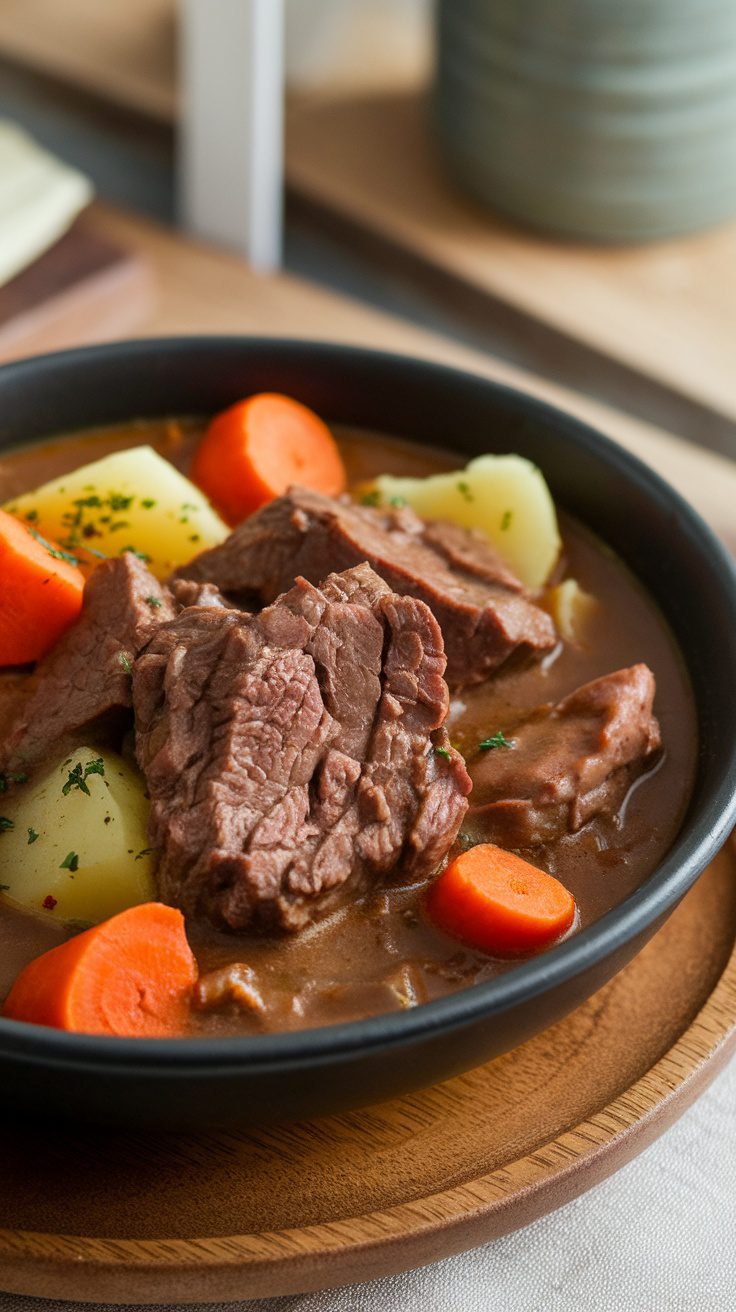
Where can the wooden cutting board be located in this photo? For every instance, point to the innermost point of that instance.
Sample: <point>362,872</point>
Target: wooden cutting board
<point>86,285</point>
<point>101,1216</point>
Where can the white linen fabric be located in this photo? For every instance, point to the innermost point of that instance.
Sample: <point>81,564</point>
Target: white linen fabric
<point>660,1236</point>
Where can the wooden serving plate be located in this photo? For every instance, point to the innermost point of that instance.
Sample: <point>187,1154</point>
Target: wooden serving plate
<point>93,1215</point>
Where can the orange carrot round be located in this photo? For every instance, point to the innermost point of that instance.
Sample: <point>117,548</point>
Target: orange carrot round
<point>131,976</point>
<point>40,592</point>
<point>493,900</point>
<point>255,450</point>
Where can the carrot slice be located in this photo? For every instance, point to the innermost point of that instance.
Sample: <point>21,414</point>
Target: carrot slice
<point>258,448</point>
<point>131,976</point>
<point>40,592</point>
<point>493,900</point>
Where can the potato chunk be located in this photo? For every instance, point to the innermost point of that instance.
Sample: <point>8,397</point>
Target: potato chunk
<point>505,497</point>
<point>572,610</point>
<point>74,843</point>
<point>131,500</point>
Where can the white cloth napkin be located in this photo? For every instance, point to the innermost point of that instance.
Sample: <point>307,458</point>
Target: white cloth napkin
<point>39,199</point>
<point>660,1236</point>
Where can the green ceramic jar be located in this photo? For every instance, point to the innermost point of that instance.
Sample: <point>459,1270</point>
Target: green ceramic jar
<point>611,120</point>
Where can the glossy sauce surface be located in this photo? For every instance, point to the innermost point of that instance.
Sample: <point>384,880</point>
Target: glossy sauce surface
<point>382,953</point>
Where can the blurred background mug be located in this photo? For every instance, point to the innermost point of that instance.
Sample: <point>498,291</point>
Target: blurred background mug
<point>611,120</point>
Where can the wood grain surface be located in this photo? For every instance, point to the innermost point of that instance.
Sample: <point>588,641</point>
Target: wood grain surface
<point>127,1217</point>
<point>85,284</point>
<point>121,52</point>
<point>665,310</point>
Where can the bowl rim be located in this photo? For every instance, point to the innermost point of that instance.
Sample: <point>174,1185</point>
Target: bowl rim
<point>698,840</point>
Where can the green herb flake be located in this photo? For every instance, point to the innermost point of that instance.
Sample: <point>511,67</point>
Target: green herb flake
<point>153,602</point>
<point>125,662</point>
<point>32,836</point>
<point>31,516</point>
<point>506,519</point>
<point>6,824</point>
<point>397,502</point>
<point>497,740</point>
<point>57,555</point>
<point>7,779</point>
<point>4,888</point>
<point>116,501</point>
<point>371,498</point>
<point>464,490</point>
<point>443,751</point>
<point>75,779</point>
<point>148,504</point>
<point>140,554</point>
<point>78,776</point>
<point>70,862</point>
<point>145,851</point>
<point>194,537</point>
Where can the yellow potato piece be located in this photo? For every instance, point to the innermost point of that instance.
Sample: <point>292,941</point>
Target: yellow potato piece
<point>130,500</point>
<point>572,610</point>
<point>80,855</point>
<point>505,497</point>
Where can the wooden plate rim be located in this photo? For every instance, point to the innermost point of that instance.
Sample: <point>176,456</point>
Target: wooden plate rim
<point>425,1229</point>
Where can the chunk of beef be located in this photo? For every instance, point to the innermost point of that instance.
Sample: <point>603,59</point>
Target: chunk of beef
<point>568,762</point>
<point>483,611</point>
<point>291,755</point>
<point>187,592</point>
<point>84,679</point>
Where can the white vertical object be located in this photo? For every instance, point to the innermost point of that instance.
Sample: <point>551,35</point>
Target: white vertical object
<point>231,124</point>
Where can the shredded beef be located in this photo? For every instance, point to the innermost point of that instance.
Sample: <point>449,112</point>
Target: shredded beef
<point>482,609</point>
<point>291,756</point>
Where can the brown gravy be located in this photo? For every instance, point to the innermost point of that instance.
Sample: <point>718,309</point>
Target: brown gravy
<point>382,953</point>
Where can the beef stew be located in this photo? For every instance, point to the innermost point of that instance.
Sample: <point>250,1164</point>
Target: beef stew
<point>370,947</point>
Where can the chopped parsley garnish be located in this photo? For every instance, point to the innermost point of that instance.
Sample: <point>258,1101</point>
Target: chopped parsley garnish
<point>6,824</point>
<point>506,519</point>
<point>498,739</point>
<point>78,776</point>
<point>70,862</point>
<point>397,502</point>
<point>145,851</point>
<point>442,751</point>
<point>4,888</point>
<point>140,554</point>
<point>464,490</point>
<point>371,498</point>
<point>125,662</point>
<point>32,836</point>
<point>148,504</point>
<point>31,516</point>
<point>153,602</point>
<point>116,501</point>
<point>194,537</point>
<point>53,551</point>
<point>6,779</point>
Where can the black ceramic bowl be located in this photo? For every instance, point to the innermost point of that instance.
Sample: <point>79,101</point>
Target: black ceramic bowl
<point>202,1082</point>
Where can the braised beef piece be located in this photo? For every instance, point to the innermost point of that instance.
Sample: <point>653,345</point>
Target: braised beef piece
<point>483,611</point>
<point>291,756</point>
<point>84,680</point>
<point>187,592</point>
<point>568,762</point>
